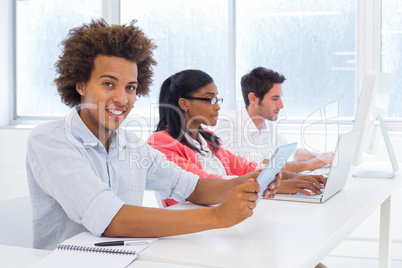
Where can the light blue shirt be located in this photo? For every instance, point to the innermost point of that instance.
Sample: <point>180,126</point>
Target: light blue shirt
<point>75,185</point>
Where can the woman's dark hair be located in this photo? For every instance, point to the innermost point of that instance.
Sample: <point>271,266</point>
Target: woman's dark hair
<point>84,43</point>
<point>181,85</point>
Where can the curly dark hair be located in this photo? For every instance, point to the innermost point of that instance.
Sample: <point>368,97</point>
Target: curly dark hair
<point>84,43</point>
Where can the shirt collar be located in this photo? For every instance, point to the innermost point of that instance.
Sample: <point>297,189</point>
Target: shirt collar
<point>81,132</point>
<point>202,145</point>
<point>247,121</point>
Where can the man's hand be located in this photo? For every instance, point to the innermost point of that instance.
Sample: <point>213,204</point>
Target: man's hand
<point>251,175</point>
<point>303,163</point>
<point>325,158</point>
<point>239,203</point>
<point>319,161</point>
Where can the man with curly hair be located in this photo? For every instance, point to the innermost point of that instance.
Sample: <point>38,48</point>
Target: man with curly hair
<point>79,170</point>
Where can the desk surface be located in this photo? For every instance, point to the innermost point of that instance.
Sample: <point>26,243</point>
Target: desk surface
<point>20,257</point>
<point>17,257</point>
<point>280,233</point>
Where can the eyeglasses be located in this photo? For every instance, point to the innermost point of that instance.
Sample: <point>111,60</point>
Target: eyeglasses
<point>210,100</point>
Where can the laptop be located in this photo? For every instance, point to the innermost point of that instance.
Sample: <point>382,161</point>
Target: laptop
<point>338,172</point>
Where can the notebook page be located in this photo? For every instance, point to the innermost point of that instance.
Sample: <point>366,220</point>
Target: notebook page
<point>70,258</point>
<point>88,240</point>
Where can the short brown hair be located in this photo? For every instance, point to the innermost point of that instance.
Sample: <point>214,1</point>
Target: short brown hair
<point>260,81</point>
<point>84,43</point>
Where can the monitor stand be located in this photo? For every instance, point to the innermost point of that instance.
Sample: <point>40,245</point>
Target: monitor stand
<point>394,162</point>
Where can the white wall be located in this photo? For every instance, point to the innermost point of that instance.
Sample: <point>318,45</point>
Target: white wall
<point>12,162</point>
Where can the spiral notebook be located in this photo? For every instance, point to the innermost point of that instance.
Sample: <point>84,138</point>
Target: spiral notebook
<point>79,251</point>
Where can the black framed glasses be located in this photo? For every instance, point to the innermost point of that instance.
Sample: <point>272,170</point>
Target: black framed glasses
<point>210,100</point>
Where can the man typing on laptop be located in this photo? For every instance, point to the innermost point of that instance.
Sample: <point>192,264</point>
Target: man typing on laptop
<point>262,93</point>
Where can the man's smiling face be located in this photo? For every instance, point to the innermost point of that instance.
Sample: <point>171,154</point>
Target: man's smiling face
<point>109,95</point>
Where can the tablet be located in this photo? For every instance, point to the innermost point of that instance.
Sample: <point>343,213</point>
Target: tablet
<point>274,165</point>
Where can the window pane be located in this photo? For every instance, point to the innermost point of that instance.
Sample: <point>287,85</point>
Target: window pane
<point>189,34</point>
<point>391,51</point>
<point>41,26</point>
<point>311,42</point>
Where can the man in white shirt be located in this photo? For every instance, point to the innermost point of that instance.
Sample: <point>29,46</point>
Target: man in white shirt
<point>250,132</point>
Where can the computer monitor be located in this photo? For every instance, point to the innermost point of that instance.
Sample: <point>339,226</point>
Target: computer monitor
<point>369,121</point>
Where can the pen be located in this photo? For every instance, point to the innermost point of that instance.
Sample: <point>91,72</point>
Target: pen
<point>122,243</point>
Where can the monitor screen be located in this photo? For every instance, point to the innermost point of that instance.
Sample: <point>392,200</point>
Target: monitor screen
<point>370,115</point>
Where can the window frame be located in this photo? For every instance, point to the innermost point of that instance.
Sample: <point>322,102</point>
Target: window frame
<point>368,56</point>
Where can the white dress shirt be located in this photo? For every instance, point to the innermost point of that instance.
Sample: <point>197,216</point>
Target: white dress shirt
<point>209,162</point>
<point>240,135</point>
<point>76,185</point>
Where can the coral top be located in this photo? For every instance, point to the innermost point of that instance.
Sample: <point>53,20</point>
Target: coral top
<point>187,159</point>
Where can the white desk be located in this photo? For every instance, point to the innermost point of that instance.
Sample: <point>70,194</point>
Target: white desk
<point>286,234</point>
<point>18,257</point>
<point>280,233</point>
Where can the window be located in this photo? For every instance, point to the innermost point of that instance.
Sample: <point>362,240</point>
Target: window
<point>312,42</point>
<point>40,26</point>
<point>189,34</point>
<point>391,54</point>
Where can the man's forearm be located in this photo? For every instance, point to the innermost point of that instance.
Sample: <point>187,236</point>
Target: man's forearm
<point>133,221</point>
<point>299,166</point>
<point>237,202</point>
<point>303,155</point>
<point>294,167</point>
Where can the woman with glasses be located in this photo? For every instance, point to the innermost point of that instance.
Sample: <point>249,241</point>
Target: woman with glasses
<point>187,100</point>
